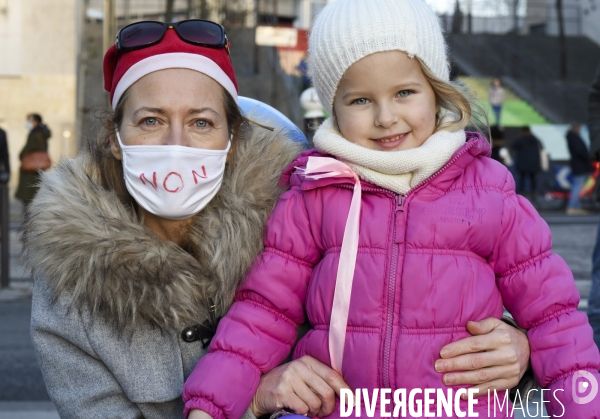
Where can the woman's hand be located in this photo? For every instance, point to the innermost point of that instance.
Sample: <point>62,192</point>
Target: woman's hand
<point>199,414</point>
<point>495,357</point>
<point>304,386</point>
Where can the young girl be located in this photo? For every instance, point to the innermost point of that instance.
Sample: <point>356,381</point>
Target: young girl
<point>394,234</point>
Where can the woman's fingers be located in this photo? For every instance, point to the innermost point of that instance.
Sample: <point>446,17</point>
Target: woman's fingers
<point>519,344</point>
<point>511,342</point>
<point>323,381</point>
<point>275,391</point>
<point>494,358</point>
<point>309,403</point>
<point>297,405</point>
<point>483,375</point>
<point>305,386</point>
<point>327,374</point>
<point>488,338</point>
<point>477,361</point>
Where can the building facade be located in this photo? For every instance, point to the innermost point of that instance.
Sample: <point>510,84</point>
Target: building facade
<point>38,63</point>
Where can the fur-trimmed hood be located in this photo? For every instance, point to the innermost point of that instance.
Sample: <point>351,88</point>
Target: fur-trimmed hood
<point>87,243</point>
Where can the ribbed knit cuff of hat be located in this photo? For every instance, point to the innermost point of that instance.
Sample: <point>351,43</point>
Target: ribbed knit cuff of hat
<point>397,171</point>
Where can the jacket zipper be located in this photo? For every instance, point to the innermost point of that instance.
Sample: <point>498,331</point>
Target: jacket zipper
<point>400,207</point>
<point>387,345</point>
<point>400,203</point>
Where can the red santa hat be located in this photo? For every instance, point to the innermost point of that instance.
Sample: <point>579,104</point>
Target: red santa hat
<point>122,69</point>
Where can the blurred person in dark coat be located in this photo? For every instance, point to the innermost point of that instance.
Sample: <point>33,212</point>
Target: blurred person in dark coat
<point>4,160</point>
<point>581,167</point>
<point>594,128</point>
<point>499,151</point>
<point>528,161</point>
<point>594,116</point>
<point>37,140</point>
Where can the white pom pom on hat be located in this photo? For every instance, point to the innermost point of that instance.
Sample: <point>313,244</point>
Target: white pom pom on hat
<point>349,30</point>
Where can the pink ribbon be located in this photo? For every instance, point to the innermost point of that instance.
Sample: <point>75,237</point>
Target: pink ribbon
<point>326,167</point>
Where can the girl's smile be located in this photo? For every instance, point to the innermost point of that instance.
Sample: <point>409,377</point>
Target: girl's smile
<point>384,102</point>
<point>391,141</point>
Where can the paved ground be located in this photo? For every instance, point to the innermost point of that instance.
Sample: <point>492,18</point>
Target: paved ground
<point>22,391</point>
<point>22,379</point>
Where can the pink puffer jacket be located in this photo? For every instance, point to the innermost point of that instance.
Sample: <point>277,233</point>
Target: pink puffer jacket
<point>455,249</point>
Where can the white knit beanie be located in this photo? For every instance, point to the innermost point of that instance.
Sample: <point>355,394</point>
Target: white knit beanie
<point>348,30</point>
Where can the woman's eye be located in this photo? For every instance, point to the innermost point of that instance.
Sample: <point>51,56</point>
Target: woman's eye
<point>361,101</point>
<point>404,93</point>
<point>202,123</point>
<point>150,121</point>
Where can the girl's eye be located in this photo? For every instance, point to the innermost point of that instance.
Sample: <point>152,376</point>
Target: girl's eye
<point>361,101</point>
<point>150,121</point>
<point>202,123</point>
<point>404,93</point>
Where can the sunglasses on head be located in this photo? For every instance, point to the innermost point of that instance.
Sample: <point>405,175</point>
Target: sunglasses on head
<point>194,31</point>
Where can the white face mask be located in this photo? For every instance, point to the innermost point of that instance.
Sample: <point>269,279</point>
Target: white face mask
<point>172,181</point>
<point>28,125</point>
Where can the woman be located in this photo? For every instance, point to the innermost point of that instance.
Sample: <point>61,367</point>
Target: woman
<point>37,141</point>
<point>133,273</point>
<point>496,96</point>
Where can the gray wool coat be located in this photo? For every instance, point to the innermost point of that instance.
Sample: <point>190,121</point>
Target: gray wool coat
<point>111,299</point>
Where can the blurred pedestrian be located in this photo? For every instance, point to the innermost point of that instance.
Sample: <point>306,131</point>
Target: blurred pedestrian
<point>496,96</point>
<point>4,160</point>
<point>581,167</point>
<point>36,145</point>
<point>594,128</point>
<point>457,18</point>
<point>303,69</point>
<point>314,113</point>
<point>528,162</point>
<point>499,152</point>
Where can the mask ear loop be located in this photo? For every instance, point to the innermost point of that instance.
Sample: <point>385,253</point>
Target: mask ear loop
<point>229,144</point>
<point>121,146</point>
<point>118,138</point>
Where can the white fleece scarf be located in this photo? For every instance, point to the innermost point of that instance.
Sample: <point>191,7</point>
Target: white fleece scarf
<point>397,171</point>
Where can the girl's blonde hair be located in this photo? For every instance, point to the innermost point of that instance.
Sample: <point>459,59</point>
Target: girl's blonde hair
<point>456,99</point>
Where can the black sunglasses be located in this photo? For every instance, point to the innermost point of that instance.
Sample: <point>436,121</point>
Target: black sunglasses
<point>144,34</point>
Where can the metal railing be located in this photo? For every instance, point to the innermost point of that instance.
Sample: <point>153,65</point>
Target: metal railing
<point>119,13</point>
<point>497,17</point>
